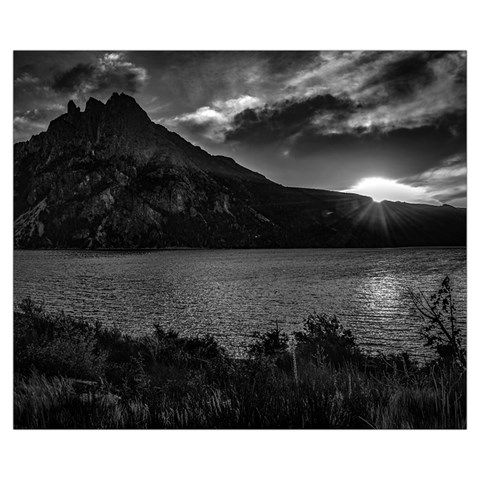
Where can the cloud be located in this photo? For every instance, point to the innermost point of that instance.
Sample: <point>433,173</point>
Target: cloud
<point>25,78</point>
<point>27,123</point>
<point>395,89</point>
<point>404,75</point>
<point>446,182</point>
<point>337,73</point>
<point>287,62</point>
<point>415,90</point>
<point>33,118</point>
<point>213,121</point>
<point>112,71</point>
<point>344,93</point>
<point>450,169</point>
<point>74,78</point>
<point>286,118</point>
<point>388,118</point>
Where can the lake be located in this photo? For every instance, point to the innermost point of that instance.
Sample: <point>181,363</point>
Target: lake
<point>233,293</point>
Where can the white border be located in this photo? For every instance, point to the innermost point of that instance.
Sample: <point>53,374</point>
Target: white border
<point>220,25</point>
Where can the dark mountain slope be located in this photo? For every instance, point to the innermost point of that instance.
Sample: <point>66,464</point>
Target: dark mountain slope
<point>108,177</point>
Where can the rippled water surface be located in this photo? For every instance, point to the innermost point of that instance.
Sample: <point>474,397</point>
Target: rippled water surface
<point>232,293</point>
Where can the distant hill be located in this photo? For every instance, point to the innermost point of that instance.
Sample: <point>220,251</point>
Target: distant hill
<point>109,177</point>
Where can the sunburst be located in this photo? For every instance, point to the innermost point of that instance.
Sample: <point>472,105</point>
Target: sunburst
<point>380,189</point>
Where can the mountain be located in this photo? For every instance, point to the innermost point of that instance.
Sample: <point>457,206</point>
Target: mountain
<point>108,177</point>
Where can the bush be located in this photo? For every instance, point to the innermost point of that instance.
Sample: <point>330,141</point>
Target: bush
<point>440,329</point>
<point>55,345</point>
<point>271,343</point>
<point>324,339</point>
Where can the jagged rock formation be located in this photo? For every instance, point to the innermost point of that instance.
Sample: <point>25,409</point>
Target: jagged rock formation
<point>108,177</point>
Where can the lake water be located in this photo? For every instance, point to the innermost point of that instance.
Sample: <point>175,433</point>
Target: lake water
<point>233,293</point>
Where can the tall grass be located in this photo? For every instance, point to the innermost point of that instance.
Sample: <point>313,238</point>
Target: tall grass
<point>69,374</point>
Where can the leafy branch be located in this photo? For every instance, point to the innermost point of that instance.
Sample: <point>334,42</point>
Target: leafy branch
<point>441,330</point>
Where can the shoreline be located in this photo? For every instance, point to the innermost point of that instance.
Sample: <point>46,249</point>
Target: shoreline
<point>167,249</point>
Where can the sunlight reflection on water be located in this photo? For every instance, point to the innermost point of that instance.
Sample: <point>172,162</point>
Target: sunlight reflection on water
<point>232,293</point>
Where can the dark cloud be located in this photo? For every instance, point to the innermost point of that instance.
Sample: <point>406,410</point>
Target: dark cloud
<point>110,72</point>
<point>461,75</point>
<point>73,78</point>
<point>285,63</point>
<point>431,83</point>
<point>25,69</point>
<point>286,118</point>
<point>404,76</point>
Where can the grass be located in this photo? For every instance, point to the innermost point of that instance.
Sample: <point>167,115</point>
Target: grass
<point>71,374</point>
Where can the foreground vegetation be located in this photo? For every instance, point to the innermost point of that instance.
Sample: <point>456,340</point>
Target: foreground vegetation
<point>71,374</point>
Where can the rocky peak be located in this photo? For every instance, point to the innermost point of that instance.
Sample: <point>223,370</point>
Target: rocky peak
<point>93,105</point>
<point>72,109</point>
<point>93,114</point>
<point>120,117</point>
<point>125,104</point>
<point>125,112</point>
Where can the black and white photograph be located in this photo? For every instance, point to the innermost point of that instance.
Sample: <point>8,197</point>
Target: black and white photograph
<point>235,240</point>
<point>240,239</point>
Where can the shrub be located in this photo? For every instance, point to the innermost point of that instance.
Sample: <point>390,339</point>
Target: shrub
<point>55,345</point>
<point>271,343</point>
<point>440,329</point>
<point>324,339</point>
<point>271,348</point>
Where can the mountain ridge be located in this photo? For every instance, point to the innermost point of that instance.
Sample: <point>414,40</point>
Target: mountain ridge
<point>109,177</point>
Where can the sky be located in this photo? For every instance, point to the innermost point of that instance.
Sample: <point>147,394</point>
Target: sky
<point>388,124</point>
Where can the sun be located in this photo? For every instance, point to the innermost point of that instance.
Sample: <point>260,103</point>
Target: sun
<point>380,189</point>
